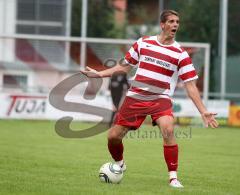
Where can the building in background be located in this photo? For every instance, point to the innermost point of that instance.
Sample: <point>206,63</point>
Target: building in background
<point>28,64</point>
<point>35,53</point>
<point>31,64</point>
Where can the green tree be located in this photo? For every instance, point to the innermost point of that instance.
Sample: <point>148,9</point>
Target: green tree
<point>233,27</point>
<point>200,23</point>
<point>101,21</point>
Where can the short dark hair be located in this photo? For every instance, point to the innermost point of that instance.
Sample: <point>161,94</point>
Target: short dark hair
<point>166,13</point>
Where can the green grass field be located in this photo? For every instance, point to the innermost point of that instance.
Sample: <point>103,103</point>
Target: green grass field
<point>35,160</point>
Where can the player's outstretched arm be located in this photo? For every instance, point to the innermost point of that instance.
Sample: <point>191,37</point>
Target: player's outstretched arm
<point>89,72</point>
<point>193,93</point>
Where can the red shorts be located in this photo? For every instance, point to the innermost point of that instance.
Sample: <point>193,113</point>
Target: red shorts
<point>133,112</point>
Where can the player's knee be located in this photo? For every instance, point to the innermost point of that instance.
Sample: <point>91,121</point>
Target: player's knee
<point>114,137</point>
<point>167,132</point>
<point>168,136</point>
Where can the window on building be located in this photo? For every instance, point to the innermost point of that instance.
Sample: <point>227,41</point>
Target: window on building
<point>15,81</point>
<point>41,17</point>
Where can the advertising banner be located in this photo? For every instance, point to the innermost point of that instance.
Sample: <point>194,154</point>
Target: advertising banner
<point>29,106</point>
<point>36,107</point>
<point>234,116</point>
<point>186,108</point>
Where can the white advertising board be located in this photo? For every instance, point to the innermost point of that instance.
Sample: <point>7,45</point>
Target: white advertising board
<point>28,106</point>
<point>186,108</point>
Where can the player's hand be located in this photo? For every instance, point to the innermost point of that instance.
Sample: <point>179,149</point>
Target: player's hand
<point>209,119</point>
<point>89,72</point>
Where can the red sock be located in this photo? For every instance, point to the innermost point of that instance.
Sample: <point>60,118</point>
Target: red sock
<point>116,150</point>
<point>171,157</point>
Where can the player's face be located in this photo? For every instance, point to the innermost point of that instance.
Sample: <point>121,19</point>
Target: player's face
<point>170,27</point>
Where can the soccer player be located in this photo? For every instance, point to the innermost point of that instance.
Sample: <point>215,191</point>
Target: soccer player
<point>160,60</point>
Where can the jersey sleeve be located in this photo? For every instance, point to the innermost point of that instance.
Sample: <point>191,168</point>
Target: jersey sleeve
<point>186,70</point>
<point>132,56</point>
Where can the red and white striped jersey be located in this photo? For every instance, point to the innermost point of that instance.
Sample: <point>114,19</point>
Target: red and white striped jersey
<point>158,68</point>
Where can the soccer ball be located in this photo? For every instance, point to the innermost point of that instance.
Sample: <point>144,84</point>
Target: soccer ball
<point>110,173</point>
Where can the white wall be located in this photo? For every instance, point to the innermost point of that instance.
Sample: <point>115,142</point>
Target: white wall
<point>49,79</point>
<point>7,26</point>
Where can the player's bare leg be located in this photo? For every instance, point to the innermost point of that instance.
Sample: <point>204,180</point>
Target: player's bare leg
<point>115,145</point>
<point>166,125</point>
